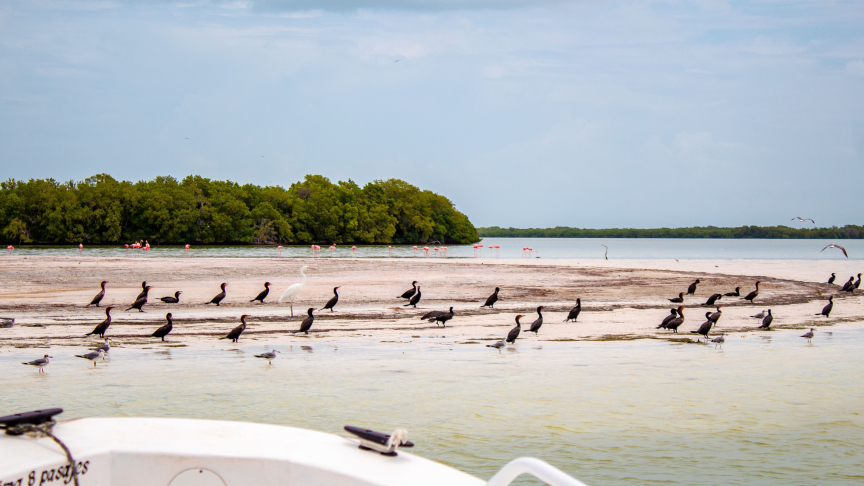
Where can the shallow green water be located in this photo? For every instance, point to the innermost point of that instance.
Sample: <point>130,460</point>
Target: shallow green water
<point>763,410</point>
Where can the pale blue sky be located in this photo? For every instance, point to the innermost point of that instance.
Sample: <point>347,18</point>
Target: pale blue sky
<point>579,113</point>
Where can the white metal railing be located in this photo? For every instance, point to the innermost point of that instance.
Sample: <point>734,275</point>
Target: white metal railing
<point>543,471</point>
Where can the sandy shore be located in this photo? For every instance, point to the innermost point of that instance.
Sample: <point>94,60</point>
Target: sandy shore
<point>622,299</point>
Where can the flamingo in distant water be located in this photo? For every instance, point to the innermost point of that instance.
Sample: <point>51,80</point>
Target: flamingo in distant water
<point>388,251</point>
<point>415,251</point>
<point>279,251</point>
<point>9,249</point>
<point>426,249</point>
<point>186,249</point>
<point>352,254</point>
<point>80,248</point>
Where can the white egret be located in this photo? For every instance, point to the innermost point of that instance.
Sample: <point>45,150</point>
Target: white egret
<point>292,291</point>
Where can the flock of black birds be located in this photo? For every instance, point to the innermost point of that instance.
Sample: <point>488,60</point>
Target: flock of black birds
<point>676,315</point>
<point>672,322</point>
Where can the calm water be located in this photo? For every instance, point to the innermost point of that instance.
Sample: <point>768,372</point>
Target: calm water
<point>767,409</point>
<point>571,248</point>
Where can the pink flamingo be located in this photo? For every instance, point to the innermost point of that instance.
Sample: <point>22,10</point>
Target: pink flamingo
<point>475,250</point>
<point>186,249</point>
<point>127,249</point>
<point>352,250</point>
<point>80,248</point>
<point>415,251</point>
<point>435,249</point>
<point>444,251</point>
<point>388,251</point>
<point>9,249</point>
<point>426,249</point>
<point>332,248</point>
<point>279,251</point>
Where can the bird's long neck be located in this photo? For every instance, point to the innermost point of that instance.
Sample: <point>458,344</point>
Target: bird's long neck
<point>243,320</point>
<point>335,293</point>
<point>539,314</point>
<point>170,321</point>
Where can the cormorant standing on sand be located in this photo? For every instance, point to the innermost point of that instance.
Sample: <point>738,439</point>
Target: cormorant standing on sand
<point>737,293</point>
<point>514,333</point>
<point>235,333</point>
<point>754,294</point>
<point>849,286</point>
<point>535,326</point>
<point>674,324</point>
<point>858,282</point>
<point>826,311</point>
<point>574,312</point>
<point>443,318</point>
<point>490,301</point>
<point>218,298</point>
<point>716,316</point>
<point>143,290</point>
<point>833,277</point>
<point>172,300</point>
<point>714,298</point>
<point>102,326</point>
<point>672,315</point>
<point>691,290</point>
<point>99,296</point>
<point>409,293</point>
<point>767,320</point>
<point>333,300</point>
<point>705,328</point>
<point>307,322</point>
<point>414,299</point>
<point>139,304</point>
<point>679,299</point>
<point>261,296</point>
<point>164,330</point>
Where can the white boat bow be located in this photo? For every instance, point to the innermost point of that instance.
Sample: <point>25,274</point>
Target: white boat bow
<point>187,452</point>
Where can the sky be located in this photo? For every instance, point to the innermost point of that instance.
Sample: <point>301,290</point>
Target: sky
<point>581,113</point>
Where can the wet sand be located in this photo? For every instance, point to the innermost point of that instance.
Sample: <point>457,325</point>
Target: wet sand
<point>622,299</point>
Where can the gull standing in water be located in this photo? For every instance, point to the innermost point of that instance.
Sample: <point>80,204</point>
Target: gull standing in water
<point>94,356</point>
<point>498,344</point>
<point>718,341</point>
<point>104,347</point>
<point>808,335</point>
<point>39,363</point>
<point>291,292</point>
<point>269,356</point>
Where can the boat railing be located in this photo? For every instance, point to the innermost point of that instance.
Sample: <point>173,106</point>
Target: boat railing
<point>541,470</point>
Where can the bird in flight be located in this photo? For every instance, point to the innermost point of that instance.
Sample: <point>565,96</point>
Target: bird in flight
<point>803,220</point>
<point>838,247</point>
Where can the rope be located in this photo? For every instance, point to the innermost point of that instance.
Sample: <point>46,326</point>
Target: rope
<point>20,429</point>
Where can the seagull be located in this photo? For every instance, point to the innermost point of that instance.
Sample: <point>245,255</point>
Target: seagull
<point>94,356</point>
<point>761,315</point>
<point>838,247</point>
<point>808,335</point>
<point>39,363</point>
<point>718,341</point>
<point>269,356</point>
<point>104,347</point>
<point>497,345</point>
<point>803,220</point>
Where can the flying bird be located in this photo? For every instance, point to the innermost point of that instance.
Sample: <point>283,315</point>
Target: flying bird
<point>803,220</point>
<point>838,247</point>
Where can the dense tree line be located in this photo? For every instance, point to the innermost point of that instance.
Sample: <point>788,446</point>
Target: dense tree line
<point>102,210</point>
<point>848,231</point>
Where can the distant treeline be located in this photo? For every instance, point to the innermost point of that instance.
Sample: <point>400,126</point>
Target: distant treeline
<point>848,231</point>
<point>102,210</point>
